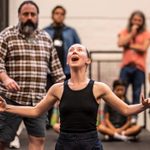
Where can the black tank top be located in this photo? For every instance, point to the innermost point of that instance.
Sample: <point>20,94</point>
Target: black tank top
<point>78,109</point>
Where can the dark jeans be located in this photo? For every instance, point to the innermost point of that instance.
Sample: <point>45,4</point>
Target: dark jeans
<point>78,141</point>
<point>135,77</point>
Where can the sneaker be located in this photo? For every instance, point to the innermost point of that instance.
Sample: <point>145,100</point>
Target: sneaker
<point>15,143</point>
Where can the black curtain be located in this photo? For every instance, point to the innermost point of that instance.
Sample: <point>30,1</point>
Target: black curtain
<point>4,14</point>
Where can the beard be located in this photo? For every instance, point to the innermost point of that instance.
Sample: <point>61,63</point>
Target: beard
<point>28,27</point>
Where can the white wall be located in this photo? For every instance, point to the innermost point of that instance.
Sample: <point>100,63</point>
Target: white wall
<point>96,21</point>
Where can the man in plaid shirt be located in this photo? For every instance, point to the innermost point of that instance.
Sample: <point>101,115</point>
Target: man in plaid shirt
<point>26,56</point>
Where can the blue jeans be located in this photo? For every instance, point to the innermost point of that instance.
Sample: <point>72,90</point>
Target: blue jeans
<point>78,141</point>
<point>135,77</point>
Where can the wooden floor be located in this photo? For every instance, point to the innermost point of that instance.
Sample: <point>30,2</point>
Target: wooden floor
<point>142,144</point>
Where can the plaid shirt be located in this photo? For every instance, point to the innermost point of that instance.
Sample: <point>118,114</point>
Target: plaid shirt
<point>28,61</point>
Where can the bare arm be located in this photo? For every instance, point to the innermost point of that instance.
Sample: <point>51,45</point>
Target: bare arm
<point>108,123</point>
<point>124,40</point>
<point>127,41</point>
<point>122,107</point>
<point>46,103</point>
<point>103,91</point>
<point>140,48</point>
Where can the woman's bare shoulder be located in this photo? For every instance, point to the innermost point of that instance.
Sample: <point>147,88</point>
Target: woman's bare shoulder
<point>57,85</point>
<point>100,85</point>
<point>100,88</point>
<point>57,89</point>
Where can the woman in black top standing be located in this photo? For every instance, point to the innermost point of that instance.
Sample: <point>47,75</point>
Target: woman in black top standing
<point>79,98</point>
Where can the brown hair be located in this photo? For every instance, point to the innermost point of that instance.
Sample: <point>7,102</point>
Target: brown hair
<point>141,14</point>
<point>58,7</point>
<point>28,2</point>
